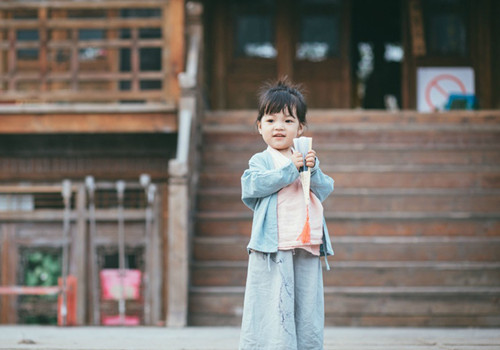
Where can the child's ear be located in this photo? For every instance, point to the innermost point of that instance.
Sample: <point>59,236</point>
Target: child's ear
<point>301,130</point>
<point>259,127</point>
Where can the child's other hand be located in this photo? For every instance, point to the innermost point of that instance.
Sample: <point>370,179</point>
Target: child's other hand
<point>297,160</point>
<point>311,159</point>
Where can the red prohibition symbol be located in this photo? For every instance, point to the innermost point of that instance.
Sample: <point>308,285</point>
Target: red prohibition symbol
<point>434,84</point>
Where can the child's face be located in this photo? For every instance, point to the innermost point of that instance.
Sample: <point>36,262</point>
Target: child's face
<point>278,130</point>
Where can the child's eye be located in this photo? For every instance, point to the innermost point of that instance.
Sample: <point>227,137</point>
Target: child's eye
<point>289,121</point>
<point>270,120</point>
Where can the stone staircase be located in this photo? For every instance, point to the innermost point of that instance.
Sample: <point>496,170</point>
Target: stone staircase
<point>414,218</point>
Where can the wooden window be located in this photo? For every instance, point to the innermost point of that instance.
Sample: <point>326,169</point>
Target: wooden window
<point>319,36</point>
<point>254,29</point>
<point>445,27</point>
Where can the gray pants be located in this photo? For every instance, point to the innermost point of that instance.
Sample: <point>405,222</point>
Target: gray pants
<point>284,302</point>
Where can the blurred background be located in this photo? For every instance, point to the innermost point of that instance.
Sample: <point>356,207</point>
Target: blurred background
<point>125,127</point>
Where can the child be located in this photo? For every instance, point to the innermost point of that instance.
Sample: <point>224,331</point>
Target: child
<point>284,305</point>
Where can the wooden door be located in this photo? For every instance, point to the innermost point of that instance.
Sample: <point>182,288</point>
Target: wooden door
<point>257,41</point>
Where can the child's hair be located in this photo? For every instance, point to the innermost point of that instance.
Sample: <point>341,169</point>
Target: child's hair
<point>275,97</point>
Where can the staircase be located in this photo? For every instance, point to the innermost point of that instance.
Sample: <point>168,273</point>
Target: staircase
<point>414,218</point>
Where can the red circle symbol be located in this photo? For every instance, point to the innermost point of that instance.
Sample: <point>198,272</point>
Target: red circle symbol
<point>434,84</point>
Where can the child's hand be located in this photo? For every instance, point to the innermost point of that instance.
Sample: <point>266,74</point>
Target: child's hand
<point>297,160</point>
<point>311,159</point>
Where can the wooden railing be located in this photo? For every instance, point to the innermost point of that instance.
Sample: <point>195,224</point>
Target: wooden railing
<point>183,174</point>
<point>81,51</point>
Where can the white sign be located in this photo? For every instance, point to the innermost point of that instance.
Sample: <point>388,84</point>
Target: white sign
<point>435,84</point>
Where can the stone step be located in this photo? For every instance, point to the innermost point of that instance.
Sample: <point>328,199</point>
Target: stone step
<point>368,306</point>
<point>343,116</point>
<point>382,177</point>
<point>481,201</point>
<point>362,273</point>
<point>226,224</point>
<point>378,248</point>
<point>231,158</point>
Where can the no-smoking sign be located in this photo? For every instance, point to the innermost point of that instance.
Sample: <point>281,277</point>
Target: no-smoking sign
<point>435,84</point>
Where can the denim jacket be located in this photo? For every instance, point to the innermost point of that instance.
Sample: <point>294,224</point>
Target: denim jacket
<point>260,185</point>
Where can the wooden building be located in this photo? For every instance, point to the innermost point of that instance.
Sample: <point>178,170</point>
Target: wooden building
<point>119,88</point>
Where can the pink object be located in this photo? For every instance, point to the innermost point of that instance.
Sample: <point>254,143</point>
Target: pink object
<point>115,320</point>
<point>111,284</point>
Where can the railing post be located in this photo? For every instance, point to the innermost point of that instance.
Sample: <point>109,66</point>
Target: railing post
<point>183,176</point>
<point>178,246</point>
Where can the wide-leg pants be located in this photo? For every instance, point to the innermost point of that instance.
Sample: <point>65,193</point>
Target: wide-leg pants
<point>284,302</point>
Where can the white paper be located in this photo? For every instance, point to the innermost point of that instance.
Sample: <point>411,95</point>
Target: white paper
<point>303,145</point>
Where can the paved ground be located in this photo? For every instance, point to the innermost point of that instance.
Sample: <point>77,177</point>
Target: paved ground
<point>208,338</point>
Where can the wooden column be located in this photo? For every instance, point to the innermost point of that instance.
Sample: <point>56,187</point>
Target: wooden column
<point>219,53</point>
<point>285,39</point>
<point>173,55</point>
<point>178,246</point>
<point>481,52</point>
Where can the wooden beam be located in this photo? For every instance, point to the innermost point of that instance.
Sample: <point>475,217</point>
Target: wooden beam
<point>173,50</point>
<point>87,123</point>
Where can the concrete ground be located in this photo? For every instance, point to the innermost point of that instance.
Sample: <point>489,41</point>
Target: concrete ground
<point>212,338</point>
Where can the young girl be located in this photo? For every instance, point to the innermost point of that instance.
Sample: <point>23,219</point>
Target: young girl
<point>284,305</point>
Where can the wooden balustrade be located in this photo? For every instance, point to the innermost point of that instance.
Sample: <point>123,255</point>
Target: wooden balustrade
<point>66,51</point>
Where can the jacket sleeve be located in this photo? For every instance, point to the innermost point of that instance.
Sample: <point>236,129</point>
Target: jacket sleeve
<point>321,184</point>
<point>258,181</point>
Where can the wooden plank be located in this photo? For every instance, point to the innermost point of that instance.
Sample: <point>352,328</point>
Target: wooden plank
<point>15,4</point>
<point>78,123</point>
<point>111,42</point>
<point>21,290</point>
<point>8,313</point>
<point>75,23</point>
<point>75,95</point>
<point>90,108</point>
<point>86,76</point>
<point>49,215</point>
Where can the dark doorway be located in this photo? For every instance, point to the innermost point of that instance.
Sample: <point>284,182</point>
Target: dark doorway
<point>376,54</point>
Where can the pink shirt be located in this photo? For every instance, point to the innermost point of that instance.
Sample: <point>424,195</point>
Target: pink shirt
<point>292,213</point>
